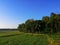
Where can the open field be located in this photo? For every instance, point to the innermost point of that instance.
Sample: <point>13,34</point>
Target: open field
<point>19,38</point>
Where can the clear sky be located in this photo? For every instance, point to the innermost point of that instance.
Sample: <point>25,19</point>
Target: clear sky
<point>14,12</point>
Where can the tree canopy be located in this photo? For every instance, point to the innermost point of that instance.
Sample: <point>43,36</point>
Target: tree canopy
<point>48,24</point>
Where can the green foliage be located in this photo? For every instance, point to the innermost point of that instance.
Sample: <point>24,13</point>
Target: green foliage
<point>46,25</point>
<point>21,27</point>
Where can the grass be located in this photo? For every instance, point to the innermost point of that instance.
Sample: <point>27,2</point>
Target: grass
<point>19,38</point>
<point>56,38</point>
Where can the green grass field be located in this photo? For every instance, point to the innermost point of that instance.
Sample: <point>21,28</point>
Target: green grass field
<point>19,38</point>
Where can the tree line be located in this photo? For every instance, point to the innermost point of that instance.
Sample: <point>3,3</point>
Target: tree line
<point>48,24</point>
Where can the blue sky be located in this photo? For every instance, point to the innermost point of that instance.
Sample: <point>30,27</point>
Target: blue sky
<point>14,12</point>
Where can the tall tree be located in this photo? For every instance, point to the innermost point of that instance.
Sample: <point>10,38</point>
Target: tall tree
<point>28,25</point>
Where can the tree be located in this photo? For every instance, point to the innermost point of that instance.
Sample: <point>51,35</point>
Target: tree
<point>28,25</point>
<point>21,27</point>
<point>38,26</point>
<point>54,22</point>
<point>46,25</point>
<point>45,21</point>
